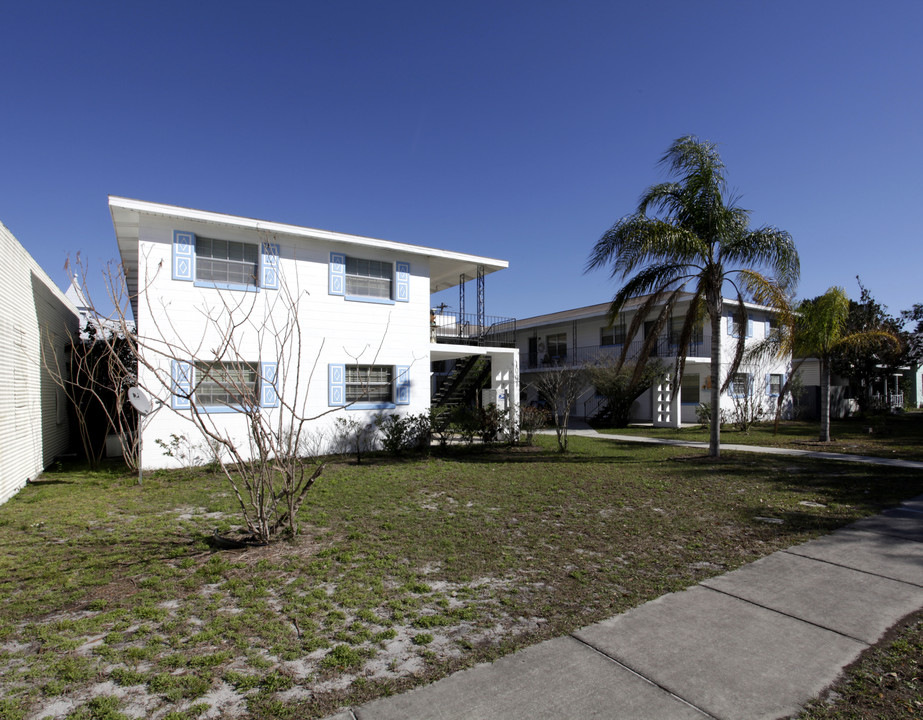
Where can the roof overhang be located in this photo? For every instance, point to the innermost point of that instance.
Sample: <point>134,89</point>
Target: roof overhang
<point>601,309</point>
<point>445,267</point>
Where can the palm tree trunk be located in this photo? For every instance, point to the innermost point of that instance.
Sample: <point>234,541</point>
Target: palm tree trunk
<point>824,399</point>
<point>714,438</point>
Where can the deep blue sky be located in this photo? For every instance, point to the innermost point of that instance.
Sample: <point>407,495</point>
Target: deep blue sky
<point>517,130</point>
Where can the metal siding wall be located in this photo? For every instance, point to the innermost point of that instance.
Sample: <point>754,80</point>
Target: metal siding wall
<point>31,306</point>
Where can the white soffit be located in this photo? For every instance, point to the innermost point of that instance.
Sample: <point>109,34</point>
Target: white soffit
<point>445,266</point>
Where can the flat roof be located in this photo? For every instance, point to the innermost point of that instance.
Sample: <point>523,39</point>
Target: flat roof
<point>600,309</point>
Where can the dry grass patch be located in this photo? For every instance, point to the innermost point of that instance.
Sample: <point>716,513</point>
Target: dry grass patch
<point>112,600</point>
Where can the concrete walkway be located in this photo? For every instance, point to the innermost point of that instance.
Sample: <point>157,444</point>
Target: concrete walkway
<point>755,643</point>
<point>584,430</point>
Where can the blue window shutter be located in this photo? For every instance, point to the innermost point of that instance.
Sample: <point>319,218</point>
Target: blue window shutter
<point>337,274</point>
<point>269,266</point>
<point>769,384</point>
<point>182,385</point>
<point>768,328</point>
<point>731,325</point>
<point>749,327</point>
<point>336,385</point>
<point>269,384</point>
<point>402,385</point>
<point>402,293</point>
<point>183,255</point>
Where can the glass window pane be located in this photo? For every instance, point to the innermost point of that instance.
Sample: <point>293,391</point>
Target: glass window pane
<point>226,261</point>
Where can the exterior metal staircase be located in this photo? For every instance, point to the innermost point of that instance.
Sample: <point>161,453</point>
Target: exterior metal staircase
<point>468,374</point>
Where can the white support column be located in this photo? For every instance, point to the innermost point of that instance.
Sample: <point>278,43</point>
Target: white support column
<point>504,384</point>
<point>666,401</point>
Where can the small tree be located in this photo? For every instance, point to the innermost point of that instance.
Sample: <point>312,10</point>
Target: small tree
<point>353,436</point>
<point>531,420</point>
<point>748,408</point>
<point>620,385</point>
<point>821,332</point>
<point>95,376</point>
<point>560,386</point>
<point>274,465</point>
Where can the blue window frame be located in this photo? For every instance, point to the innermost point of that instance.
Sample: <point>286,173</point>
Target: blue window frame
<point>225,264</point>
<point>225,386</point>
<point>740,385</point>
<point>363,387</point>
<point>365,280</point>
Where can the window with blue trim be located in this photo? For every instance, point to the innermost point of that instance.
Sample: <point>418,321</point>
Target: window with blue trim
<point>375,281</point>
<point>361,387</point>
<point>226,261</point>
<point>734,324</point>
<point>227,384</point>
<point>230,264</point>
<point>740,385</point>
<point>368,278</point>
<point>369,383</point>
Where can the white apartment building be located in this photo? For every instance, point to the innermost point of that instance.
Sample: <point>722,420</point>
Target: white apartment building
<point>583,336</point>
<point>337,325</point>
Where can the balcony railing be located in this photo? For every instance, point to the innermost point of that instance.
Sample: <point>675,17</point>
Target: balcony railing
<point>592,354</point>
<point>464,330</point>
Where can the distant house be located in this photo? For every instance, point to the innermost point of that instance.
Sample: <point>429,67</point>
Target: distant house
<point>211,289</point>
<point>807,392</point>
<point>583,336</point>
<point>36,323</point>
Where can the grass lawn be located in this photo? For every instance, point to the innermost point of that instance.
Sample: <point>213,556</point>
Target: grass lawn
<point>112,602</point>
<point>885,683</point>
<point>879,435</point>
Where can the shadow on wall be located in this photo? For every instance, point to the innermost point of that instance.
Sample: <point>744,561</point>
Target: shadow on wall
<point>807,404</point>
<point>46,407</point>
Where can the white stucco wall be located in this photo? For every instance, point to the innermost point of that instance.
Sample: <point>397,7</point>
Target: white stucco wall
<point>333,329</point>
<point>33,414</point>
<point>587,331</point>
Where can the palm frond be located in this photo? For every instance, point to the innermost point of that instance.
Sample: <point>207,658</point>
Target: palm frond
<point>636,241</point>
<point>741,345</point>
<point>691,322</point>
<point>821,323</point>
<point>868,339</point>
<point>655,279</point>
<point>637,322</point>
<point>766,247</point>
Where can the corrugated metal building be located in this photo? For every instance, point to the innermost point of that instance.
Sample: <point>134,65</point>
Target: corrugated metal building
<point>35,323</point>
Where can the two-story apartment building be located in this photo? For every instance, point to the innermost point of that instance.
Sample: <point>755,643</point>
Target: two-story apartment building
<point>330,324</point>
<point>583,336</point>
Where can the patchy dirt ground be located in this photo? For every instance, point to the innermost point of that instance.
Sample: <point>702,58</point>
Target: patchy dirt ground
<point>113,604</point>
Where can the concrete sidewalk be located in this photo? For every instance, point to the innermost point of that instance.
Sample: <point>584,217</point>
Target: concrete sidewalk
<point>584,430</point>
<point>758,642</point>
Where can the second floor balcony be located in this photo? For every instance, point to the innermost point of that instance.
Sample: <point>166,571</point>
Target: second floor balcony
<point>664,348</point>
<point>464,329</point>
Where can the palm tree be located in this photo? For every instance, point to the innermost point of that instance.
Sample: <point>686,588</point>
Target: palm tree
<point>820,331</point>
<point>695,237</point>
